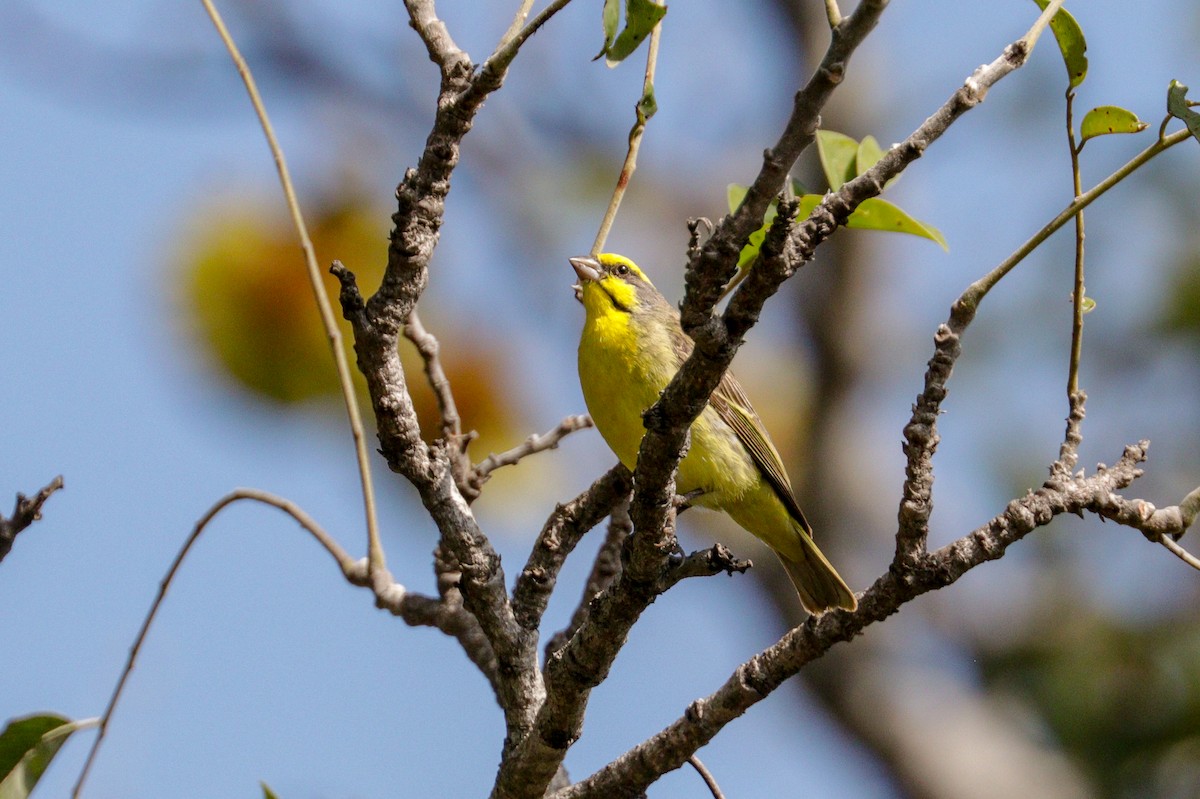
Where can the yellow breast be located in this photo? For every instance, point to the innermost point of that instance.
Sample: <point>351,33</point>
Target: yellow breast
<point>622,370</point>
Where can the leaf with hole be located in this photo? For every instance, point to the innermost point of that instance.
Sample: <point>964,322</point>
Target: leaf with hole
<point>610,18</point>
<point>640,18</point>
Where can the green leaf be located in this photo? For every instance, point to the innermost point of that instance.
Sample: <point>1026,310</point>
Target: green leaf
<point>1070,42</point>
<point>1107,119</point>
<point>839,157</point>
<point>876,214</point>
<point>1089,304</point>
<point>640,18</point>
<point>267,792</point>
<point>647,106</point>
<point>27,746</point>
<point>734,194</point>
<point>610,17</point>
<point>869,153</point>
<point>871,214</point>
<point>1177,106</point>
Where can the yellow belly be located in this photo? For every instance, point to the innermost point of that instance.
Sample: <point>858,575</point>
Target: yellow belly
<point>618,387</point>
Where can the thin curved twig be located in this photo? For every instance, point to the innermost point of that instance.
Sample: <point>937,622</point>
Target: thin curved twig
<point>1180,552</point>
<point>456,443</point>
<point>635,143</point>
<point>532,445</point>
<point>706,775</point>
<point>331,546</point>
<point>328,320</point>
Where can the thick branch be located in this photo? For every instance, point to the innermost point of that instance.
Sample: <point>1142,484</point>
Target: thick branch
<point>708,273</point>
<point>753,681</point>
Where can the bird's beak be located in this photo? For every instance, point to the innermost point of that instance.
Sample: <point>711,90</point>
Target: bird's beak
<point>587,269</point>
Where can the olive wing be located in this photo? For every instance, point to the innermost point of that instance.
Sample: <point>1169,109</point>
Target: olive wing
<point>734,408</point>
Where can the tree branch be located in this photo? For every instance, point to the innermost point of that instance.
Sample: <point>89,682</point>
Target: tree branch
<point>26,511</point>
<point>423,18</point>
<point>482,472</point>
<point>605,569</point>
<point>451,424</point>
<point>756,679</point>
<point>558,538</point>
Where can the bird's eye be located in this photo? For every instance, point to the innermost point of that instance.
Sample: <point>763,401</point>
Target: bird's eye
<point>622,270</point>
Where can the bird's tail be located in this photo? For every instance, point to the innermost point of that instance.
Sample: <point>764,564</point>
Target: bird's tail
<point>820,587</point>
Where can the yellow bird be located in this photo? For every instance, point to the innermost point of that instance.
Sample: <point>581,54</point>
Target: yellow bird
<point>631,347</point>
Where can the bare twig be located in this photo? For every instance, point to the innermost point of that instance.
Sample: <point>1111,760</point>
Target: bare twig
<point>26,511</point>
<point>1181,553</point>
<point>717,559</point>
<point>493,70</point>
<point>833,13</point>
<point>1069,452</point>
<point>348,566</point>
<point>332,333</point>
<point>422,16</point>
<point>705,774</point>
<point>1157,524</point>
<point>451,429</point>
<point>430,352</point>
<point>605,569</point>
<point>445,613</point>
<point>517,24</point>
<point>558,538</point>
<point>531,446</point>
<point>979,289</point>
<point>635,143</point>
<point>920,434</point>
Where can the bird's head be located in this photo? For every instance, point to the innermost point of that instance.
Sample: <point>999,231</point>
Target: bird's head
<point>609,282</point>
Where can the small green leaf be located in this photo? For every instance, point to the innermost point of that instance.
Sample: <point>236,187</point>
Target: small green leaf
<point>871,214</point>
<point>1107,119</point>
<point>647,106</point>
<point>1070,42</point>
<point>734,194</point>
<point>869,153</point>
<point>610,17</point>
<point>1178,107</point>
<point>839,157</point>
<point>267,792</point>
<point>876,214</point>
<point>640,18</point>
<point>1089,304</point>
<point>27,746</point>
